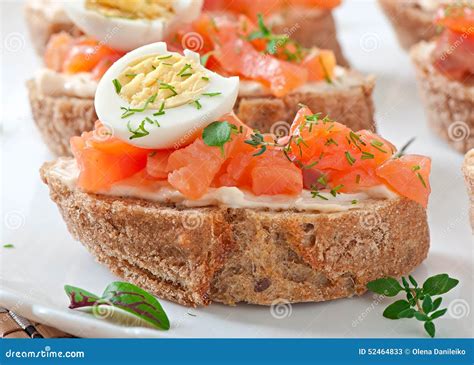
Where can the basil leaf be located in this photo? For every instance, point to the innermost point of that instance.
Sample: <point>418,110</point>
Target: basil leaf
<point>439,313</point>
<point>439,284</point>
<point>430,328</point>
<point>134,300</point>
<point>393,310</point>
<point>427,304</point>
<point>386,286</point>
<point>217,134</point>
<point>79,297</point>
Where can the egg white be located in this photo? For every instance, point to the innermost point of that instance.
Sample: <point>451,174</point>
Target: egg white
<point>178,124</point>
<point>127,34</point>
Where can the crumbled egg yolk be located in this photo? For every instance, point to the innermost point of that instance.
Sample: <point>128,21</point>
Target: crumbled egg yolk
<point>133,9</point>
<point>174,79</point>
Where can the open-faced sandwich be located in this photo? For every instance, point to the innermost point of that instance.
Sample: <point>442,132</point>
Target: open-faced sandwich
<point>412,19</point>
<point>445,72</point>
<point>174,193</point>
<point>309,22</point>
<point>468,170</point>
<point>62,93</point>
<point>277,73</point>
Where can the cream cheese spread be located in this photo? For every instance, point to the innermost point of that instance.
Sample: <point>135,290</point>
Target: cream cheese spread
<point>232,197</point>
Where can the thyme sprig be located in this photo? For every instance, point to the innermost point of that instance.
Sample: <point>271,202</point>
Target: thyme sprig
<point>419,303</point>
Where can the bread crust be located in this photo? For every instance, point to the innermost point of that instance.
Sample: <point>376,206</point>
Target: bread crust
<point>195,256</point>
<point>449,104</point>
<point>412,24</point>
<point>349,103</point>
<point>60,118</point>
<point>41,28</point>
<point>468,170</point>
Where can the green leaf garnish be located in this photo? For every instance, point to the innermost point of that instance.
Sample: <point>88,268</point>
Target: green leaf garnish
<point>385,286</point>
<point>125,296</point>
<point>439,284</point>
<point>394,309</point>
<point>164,57</point>
<point>218,133</point>
<point>419,303</point>
<point>8,245</point>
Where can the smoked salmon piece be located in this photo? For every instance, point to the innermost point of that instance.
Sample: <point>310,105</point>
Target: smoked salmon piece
<point>69,55</point>
<point>103,161</point>
<point>408,176</point>
<point>319,154</point>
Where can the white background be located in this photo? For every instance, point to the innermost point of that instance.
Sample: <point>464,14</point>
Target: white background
<point>45,257</point>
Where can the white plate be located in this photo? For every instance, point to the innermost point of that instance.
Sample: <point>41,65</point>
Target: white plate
<point>45,257</point>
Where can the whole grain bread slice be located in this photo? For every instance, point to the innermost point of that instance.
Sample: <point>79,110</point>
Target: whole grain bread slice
<point>412,24</point>
<point>449,104</point>
<point>468,170</point>
<point>59,118</point>
<point>194,256</point>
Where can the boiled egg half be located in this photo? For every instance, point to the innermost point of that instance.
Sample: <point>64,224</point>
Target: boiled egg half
<point>128,24</point>
<point>157,99</point>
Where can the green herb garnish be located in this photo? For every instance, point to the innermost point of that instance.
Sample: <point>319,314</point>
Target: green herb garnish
<point>8,245</point>
<point>161,111</point>
<point>184,69</point>
<point>164,57</point>
<point>316,194</point>
<point>205,78</point>
<point>212,94</point>
<point>419,301</point>
<point>165,86</point>
<point>196,103</point>
<point>139,132</point>
<point>117,85</point>
<point>377,145</point>
<point>218,133</point>
<point>367,156</point>
<point>130,111</point>
<point>124,296</point>
<point>334,191</point>
<point>349,158</point>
